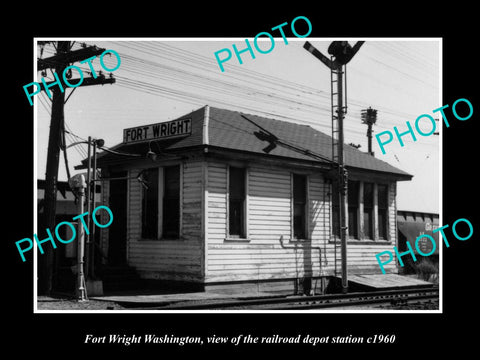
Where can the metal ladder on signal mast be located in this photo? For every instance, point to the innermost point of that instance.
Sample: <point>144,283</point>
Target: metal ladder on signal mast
<point>335,108</point>
<point>334,90</point>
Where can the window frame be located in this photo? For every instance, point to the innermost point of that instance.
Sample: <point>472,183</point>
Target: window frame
<point>371,208</point>
<point>244,234</point>
<point>306,230</point>
<point>357,208</point>
<point>145,232</point>
<point>160,203</point>
<point>386,209</point>
<point>162,230</point>
<point>361,236</point>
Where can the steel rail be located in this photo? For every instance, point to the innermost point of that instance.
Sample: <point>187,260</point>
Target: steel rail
<point>314,302</point>
<point>365,301</point>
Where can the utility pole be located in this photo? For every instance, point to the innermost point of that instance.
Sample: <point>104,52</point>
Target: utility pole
<point>60,61</point>
<point>53,156</point>
<point>341,53</point>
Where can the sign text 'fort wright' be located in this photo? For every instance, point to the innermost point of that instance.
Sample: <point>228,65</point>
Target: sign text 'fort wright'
<point>169,129</point>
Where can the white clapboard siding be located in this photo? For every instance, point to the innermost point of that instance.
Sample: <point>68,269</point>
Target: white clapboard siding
<point>192,202</point>
<point>264,256</point>
<point>269,205</point>
<point>268,253</point>
<point>169,259</point>
<point>318,210</point>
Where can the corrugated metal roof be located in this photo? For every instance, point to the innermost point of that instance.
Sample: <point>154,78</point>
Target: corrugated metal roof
<point>232,130</point>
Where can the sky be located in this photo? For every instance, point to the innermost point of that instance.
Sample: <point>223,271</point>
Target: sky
<point>166,78</point>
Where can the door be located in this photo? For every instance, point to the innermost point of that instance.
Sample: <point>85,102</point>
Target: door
<point>117,239</point>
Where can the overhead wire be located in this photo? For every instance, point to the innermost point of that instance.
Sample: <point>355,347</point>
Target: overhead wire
<point>194,56</point>
<point>63,145</point>
<point>67,131</point>
<point>325,96</point>
<point>326,99</point>
<point>279,100</point>
<point>193,59</point>
<point>201,81</point>
<point>150,88</point>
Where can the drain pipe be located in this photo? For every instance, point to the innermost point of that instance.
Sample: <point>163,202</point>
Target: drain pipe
<point>311,247</point>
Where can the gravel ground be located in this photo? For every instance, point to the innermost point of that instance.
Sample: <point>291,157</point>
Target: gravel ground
<point>45,303</point>
<point>420,306</point>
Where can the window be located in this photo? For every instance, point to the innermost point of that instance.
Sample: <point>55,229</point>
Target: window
<point>161,203</point>
<point>368,220</point>
<point>236,202</point>
<point>382,211</point>
<point>299,206</point>
<point>171,202</point>
<point>150,204</point>
<point>352,200</point>
<point>367,211</point>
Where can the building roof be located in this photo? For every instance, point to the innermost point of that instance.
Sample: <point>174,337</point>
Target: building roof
<point>232,130</point>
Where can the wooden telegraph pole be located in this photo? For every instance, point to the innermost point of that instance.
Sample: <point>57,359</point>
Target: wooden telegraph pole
<point>59,62</point>
<point>56,123</point>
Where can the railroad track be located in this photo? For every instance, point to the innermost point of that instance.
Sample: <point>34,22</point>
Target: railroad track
<point>385,299</point>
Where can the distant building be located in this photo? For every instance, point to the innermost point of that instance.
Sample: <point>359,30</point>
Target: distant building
<point>223,204</point>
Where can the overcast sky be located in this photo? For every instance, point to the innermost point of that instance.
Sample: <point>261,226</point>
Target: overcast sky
<point>167,78</point>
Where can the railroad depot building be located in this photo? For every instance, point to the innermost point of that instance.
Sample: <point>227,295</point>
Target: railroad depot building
<point>220,200</point>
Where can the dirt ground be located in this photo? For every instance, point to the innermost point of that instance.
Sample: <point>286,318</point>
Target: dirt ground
<point>67,304</point>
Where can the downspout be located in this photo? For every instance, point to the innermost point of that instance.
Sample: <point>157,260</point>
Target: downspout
<point>206,120</point>
<point>294,247</point>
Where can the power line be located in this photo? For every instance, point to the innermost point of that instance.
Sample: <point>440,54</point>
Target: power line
<point>248,93</point>
<point>192,59</point>
<point>185,80</point>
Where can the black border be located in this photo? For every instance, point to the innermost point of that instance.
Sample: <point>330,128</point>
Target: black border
<point>415,333</point>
